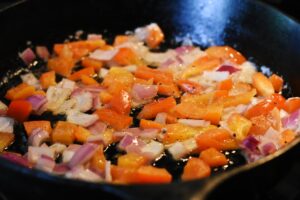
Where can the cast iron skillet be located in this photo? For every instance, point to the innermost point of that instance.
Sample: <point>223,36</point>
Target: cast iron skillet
<point>261,33</point>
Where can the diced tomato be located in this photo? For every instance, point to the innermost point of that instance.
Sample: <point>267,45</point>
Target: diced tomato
<point>262,84</point>
<point>120,39</point>
<point>235,100</point>
<point>260,124</point>
<point>154,37</point>
<point>19,110</point>
<point>149,174</point>
<point>81,134</point>
<point>105,97</point>
<point>277,82</point>
<point>64,132</point>
<point>200,65</point>
<point>157,75</point>
<point>169,89</point>
<point>150,124</point>
<point>87,80</point>
<point>77,75</point>
<point>5,140</point>
<point>217,138</point>
<point>131,160</point>
<point>266,105</point>
<point>64,63</point>
<point>126,56</point>
<point>42,124</point>
<point>121,102</point>
<point>48,79</point>
<point>89,62</point>
<point>114,119</point>
<point>226,53</point>
<point>287,136</point>
<point>212,112</point>
<point>150,110</point>
<point>195,168</point>
<point>292,104</point>
<point>118,78</point>
<point>213,157</point>
<point>80,48</point>
<point>21,91</point>
<point>225,85</point>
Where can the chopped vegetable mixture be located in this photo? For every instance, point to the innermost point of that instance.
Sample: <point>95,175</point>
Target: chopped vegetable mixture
<point>189,103</point>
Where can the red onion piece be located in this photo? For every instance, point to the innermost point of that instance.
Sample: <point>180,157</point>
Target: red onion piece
<point>179,59</point>
<point>27,56</point>
<point>80,172</point>
<point>161,118</point>
<point>152,150</point>
<point>228,68</point>
<point>166,64</point>
<point>80,118</point>
<point>291,121</point>
<point>69,152</point>
<point>183,49</point>
<point>108,176</point>
<point>37,137</point>
<point>97,139</point>
<point>84,100</point>
<point>34,153</point>
<point>143,92</point>
<point>127,140</point>
<point>45,163</point>
<point>104,55</point>
<point>250,143</point>
<point>16,158</point>
<point>60,169</point>
<point>42,52</point>
<point>97,128</point>
<point>83,154</point>
<point>93,89</point>
<point>37,101</point>
<point>268,148</point>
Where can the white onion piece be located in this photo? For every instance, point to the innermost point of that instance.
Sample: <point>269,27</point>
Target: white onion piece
<point>215,76</point>
<point>81,173</point>
<point>103,72</point>
<point>37,137</point>
<point>190,144</point>
<point>56,96</point>
<point>194,122</point>
<point>30,79</point>
<point>83,154</point>
<point>152,150</point>
<point>67,84</point>
<point>108,176</point>
<point>42,52</point>
<point>27,56</point>
<point>69,152</point>
<point>6,125</point>
<point>63,108</point>
<point>80,118</point>
<point>130,68</point>
<point>161,118</point>
<point>58,148</point>
<point>3,108</point>
<point>45,163</point>
<point>103,55</point>
<point>34,153</point>
<point>84,101</point>
<point>178,150</point>
<point>94,37</point>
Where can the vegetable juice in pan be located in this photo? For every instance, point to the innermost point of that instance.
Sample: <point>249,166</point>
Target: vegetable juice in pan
<point>122,113</point>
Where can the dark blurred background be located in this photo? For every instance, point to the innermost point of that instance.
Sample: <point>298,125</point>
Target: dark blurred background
<point>289,187</point>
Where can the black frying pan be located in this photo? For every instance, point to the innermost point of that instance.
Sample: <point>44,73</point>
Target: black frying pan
<point>261,33</point>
